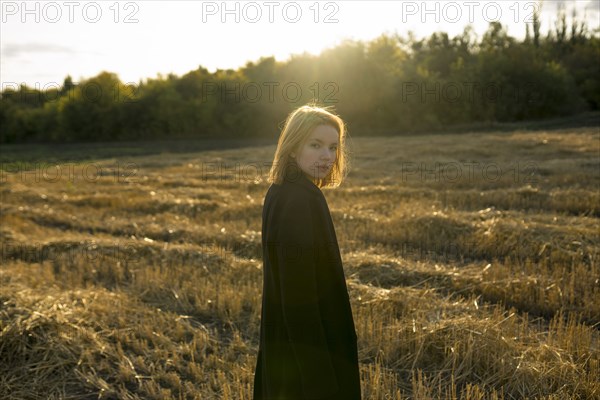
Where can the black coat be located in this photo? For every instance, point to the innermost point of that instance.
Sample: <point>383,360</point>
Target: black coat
<point>308,346</point>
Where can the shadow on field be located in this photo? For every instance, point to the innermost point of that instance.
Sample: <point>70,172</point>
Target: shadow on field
<point>92,151</point>
<point>66,152</point>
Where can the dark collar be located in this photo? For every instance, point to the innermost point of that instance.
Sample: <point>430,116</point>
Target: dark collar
<point>294,175</point>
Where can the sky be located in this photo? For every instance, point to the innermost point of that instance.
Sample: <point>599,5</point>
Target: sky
<point>41,42</point>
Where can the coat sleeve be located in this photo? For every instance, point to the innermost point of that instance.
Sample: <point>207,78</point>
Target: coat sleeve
<point>299,297</point>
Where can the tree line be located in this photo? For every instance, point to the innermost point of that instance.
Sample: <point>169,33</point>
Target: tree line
<point>386,86</point>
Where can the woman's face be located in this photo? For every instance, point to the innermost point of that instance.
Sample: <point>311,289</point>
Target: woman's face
<point>318,154</point>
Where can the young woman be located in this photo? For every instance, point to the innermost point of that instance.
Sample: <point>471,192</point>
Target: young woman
<point>307,335</point>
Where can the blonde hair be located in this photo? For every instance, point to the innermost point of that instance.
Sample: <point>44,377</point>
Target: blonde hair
<point>299,124</point>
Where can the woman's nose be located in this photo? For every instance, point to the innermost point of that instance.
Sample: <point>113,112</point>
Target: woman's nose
<point>328,154</point>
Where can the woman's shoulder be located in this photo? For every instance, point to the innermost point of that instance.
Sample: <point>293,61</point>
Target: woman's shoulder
<point>296,185</point>
<point>293,197</point>
<point>286,193</point>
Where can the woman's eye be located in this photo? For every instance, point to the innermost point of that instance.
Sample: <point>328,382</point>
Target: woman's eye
<point>315,145</point>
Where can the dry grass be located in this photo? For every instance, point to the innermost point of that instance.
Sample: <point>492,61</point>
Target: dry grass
<point>148,286</point>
